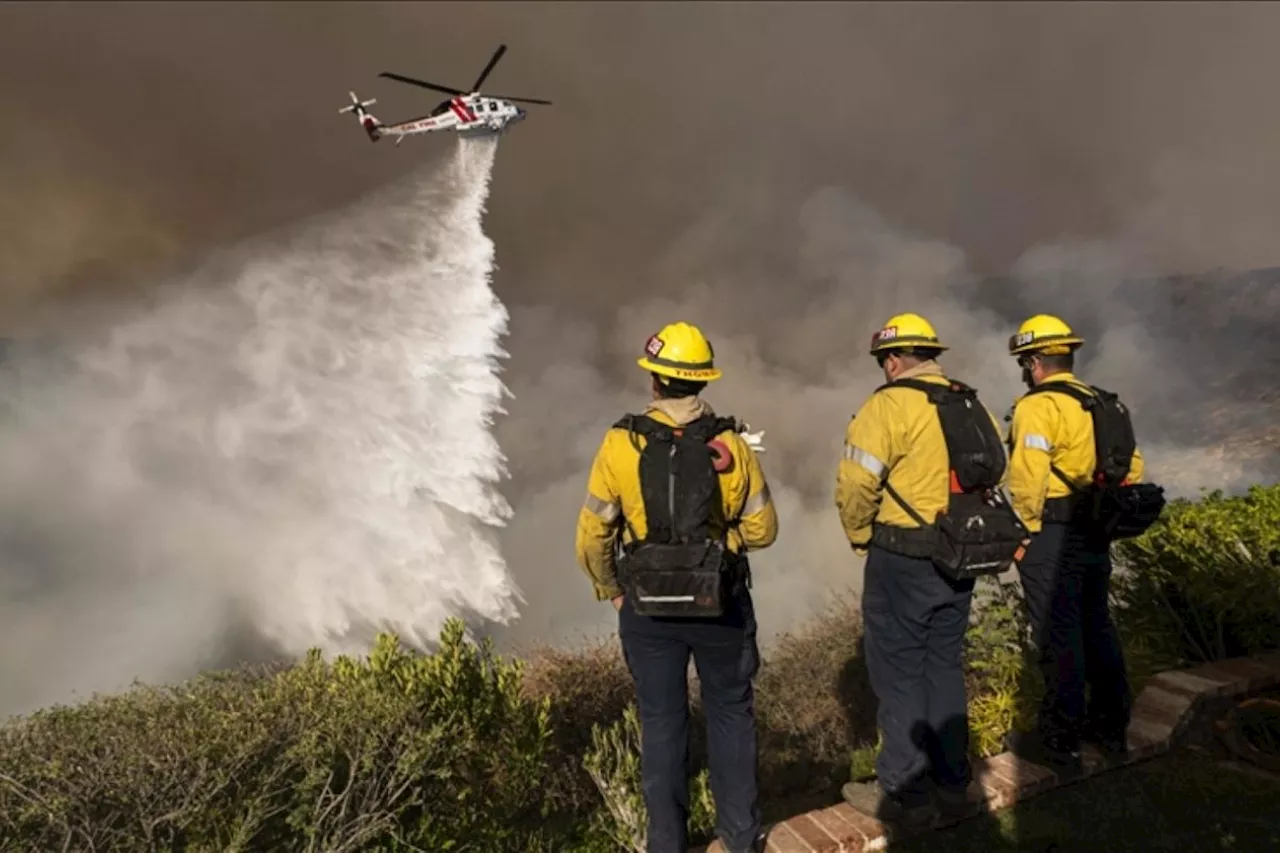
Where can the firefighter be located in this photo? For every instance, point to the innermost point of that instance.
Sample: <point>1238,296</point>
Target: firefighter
<point>635,498</point>
<point>914,616</point>
<point>1066,571</point>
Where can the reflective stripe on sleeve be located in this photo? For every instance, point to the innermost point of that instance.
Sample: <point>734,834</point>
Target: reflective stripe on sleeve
<point>605,509</point>
<point>865,459</point>
<point>1037,442</point>
<point>757,502</point>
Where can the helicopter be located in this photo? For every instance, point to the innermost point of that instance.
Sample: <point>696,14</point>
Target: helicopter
<point>468,114</point>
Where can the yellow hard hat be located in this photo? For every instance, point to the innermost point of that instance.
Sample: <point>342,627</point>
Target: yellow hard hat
<point>680,351</point>
<point>1044,334</point>
<point>902,331</point>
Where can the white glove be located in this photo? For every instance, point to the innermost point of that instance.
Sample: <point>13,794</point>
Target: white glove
<point>754,440</point>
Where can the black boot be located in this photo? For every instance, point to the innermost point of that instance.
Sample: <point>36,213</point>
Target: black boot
<point>1048,751</point>
<point>906,809</point>
<point>1113,745</point>
<point>757,846</point>
<point>955,803</point>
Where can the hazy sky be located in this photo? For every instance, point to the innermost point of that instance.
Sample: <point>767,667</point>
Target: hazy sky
<point>148,128</point>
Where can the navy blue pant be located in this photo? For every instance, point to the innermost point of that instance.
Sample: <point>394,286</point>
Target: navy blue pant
<point>1066,578</point>
<point>914,622</point>
<point>724,651</point>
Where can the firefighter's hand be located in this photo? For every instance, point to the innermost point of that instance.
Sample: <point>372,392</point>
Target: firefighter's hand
<point>754,440</point>
<point>859,550</point>
<point>617,602</point>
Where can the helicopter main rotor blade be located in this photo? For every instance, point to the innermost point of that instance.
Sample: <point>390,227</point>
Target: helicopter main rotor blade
<point>423,83</point>
<point>497,54</point>
<point>520,100</point>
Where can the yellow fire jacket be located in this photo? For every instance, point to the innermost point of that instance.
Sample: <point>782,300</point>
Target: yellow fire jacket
<point>613,492</point>
<point>1051,429</point>
<point>896,437</point>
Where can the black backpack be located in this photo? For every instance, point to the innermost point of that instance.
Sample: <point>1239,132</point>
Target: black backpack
<point>1109,509</point>
<point>678,569</point>
<point>978,533</point>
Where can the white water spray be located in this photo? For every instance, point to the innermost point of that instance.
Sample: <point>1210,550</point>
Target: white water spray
<point>296,439</point>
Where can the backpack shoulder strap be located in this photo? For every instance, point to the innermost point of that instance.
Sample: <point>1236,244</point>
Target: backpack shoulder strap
<point>910,510</point>
<point>935,392</point>
<point>708,427</point>
<point>646,426</point>
<point>1086,400</point>
<point>1104,394</point>
<point>1083,397</point>
<point>933,389</point>
<point>703,429</point>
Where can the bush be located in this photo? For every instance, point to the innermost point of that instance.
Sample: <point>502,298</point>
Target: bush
<point>396,752</point>
<point>461,749</point>
<point>1203,583</point>
<point>583,688</point>
<point>145,771</point>
<point>814,704</point>
<point>1001,678</point>
<point>614,765</point>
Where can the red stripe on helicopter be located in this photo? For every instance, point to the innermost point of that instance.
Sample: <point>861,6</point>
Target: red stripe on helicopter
<point>461,110</point>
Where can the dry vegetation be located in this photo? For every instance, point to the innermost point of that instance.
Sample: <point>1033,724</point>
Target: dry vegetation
<point>462,748</point>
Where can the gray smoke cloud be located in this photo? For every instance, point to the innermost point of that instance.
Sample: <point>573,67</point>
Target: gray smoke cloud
<point>803,379</point>
<point>786,176</point>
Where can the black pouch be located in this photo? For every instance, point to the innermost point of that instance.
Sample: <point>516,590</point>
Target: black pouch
<point>1127,511</point>
<point>682,579</point>
<point>977,535</point>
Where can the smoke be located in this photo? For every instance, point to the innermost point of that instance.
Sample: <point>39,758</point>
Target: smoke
<point>785,175</point>
<point>803,378</point>
<point>290,445</point>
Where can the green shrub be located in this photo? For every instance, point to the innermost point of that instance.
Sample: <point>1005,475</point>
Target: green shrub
<point>147,770</point>
<point>584,687</point>
<point>397,752</point>
<point>1001,678</point>
<point>1203,583</point>
<point>614,765</point>
<point>862,761</point>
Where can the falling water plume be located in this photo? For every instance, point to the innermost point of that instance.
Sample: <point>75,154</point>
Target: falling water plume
<point>292,444</point>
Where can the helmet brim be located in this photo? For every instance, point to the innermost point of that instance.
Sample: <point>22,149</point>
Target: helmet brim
<point>705,374</point>
<point>908,343</point>
<point>1064,342</point>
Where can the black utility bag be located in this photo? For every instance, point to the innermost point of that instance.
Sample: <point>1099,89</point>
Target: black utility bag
<point>1109,507</point>
<point>678,569</point>
<point>978,533</point>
